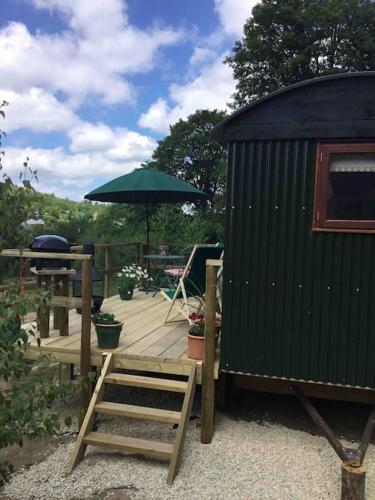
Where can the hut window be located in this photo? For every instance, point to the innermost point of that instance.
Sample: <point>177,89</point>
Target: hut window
<point>345,187</point>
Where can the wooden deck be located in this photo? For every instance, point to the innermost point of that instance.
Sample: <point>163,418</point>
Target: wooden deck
<point>144,343</point>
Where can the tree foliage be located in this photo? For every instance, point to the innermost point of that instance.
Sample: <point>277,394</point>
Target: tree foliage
<point>190,153</point>
<point>287,41</point>
<point>25,399</point>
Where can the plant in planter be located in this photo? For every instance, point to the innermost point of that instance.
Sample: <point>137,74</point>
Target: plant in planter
<point>108,330</point>
<point>196,335</point>
<point>130,277</point>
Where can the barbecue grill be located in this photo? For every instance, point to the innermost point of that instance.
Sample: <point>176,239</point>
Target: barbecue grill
<point>53,244</point>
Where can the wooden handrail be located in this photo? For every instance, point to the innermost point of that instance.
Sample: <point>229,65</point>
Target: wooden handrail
<point>26,284</point>
<point>45,255</point>
<point>107,245</point>
<point>127,243</point>
<point>65,301</point>
<point>107,271</point>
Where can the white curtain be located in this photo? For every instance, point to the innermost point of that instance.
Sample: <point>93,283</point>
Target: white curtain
<point>352,162</point>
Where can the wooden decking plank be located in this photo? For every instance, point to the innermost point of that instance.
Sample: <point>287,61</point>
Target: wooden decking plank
<point>128,339</point>
<point>130,314</point>
<point>153,337</point>
<point>164,343</point>
<point>129,308</point>
<point>131,445</point>
<point>177,349</point>
<point>159,384</point>
<point>139,412</point>
<point>153,364</point>
<point>144,338</point>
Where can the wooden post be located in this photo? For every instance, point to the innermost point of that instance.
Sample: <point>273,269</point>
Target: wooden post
<point>353,482</point>
<point>86,333</point>
<point>107,277</point>
<point>57,310</point>
<point>138,253</point>
<point>208,382</point>
<point>44,313</point>
<point>39,285</point>
<point>64,311</point>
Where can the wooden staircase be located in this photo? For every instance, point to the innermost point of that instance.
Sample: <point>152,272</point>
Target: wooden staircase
<point>172,452</point>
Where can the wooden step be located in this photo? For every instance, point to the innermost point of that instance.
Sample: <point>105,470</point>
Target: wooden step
<point>131,445</point>
<point>160,384</point>
<point>142,412</point>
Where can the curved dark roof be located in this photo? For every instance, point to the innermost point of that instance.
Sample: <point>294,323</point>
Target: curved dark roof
<point>332,106</point>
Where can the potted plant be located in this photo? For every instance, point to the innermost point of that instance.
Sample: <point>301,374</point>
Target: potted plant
<point>108,330</point>
<point>196,335</point>
<point>128,278</point>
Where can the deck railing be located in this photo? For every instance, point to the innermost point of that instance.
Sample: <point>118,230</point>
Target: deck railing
<point>139,247</point>
<point>86,304</point>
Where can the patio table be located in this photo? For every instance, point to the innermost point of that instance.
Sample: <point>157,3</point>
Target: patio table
<point>160,263</point>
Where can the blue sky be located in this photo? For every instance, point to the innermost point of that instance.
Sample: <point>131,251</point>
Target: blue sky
<point>93,84</point>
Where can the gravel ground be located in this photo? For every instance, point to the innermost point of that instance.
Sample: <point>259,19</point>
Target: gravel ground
<point>248,459</point>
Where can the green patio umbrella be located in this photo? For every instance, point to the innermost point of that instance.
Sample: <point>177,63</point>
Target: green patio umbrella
<point>146,185</point>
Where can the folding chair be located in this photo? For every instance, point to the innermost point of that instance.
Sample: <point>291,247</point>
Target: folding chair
<point>192,283</point>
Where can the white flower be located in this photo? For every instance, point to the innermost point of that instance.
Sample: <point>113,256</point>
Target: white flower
<point>119,275</point>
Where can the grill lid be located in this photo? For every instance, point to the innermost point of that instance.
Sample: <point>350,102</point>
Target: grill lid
<point>50,242</point>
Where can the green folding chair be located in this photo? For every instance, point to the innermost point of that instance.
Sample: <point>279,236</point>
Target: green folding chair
<point>192,282</point>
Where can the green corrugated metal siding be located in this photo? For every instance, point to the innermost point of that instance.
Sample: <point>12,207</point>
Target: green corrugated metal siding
<point>297,304</point>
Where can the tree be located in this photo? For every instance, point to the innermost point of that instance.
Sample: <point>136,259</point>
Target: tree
<point>287,41</point>
<point>191,154</point>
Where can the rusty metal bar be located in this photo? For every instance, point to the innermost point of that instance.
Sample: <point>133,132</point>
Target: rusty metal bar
<point>322,425</point>
<point>366,436</point>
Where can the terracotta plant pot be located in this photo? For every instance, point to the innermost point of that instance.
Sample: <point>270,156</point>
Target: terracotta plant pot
<point>195,347</point>
<point>108,335</point>
<point>196,344</point>
<point>126,294</point>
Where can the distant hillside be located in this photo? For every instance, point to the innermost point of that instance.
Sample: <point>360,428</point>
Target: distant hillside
<point>67,218</point>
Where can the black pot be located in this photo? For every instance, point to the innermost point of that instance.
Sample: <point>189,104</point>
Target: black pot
<point>126,294</point>
<point>98,301</point>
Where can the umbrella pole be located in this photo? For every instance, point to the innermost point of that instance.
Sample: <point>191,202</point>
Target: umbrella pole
<point>147,228</point>
<point>148,242</point>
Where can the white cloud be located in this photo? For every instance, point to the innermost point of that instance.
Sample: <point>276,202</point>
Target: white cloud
<point>97,153</point>
<point>201,55</point>
<point>233,14</point>
<point>210,83</point>
<point>132,146</point>
<point>71,174</point>
<point>115,145</point>
<point>92,58</point>
<point>36,110</point>
<point>210,90</point>
<point>157,117</point>
<point>90,138</point>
